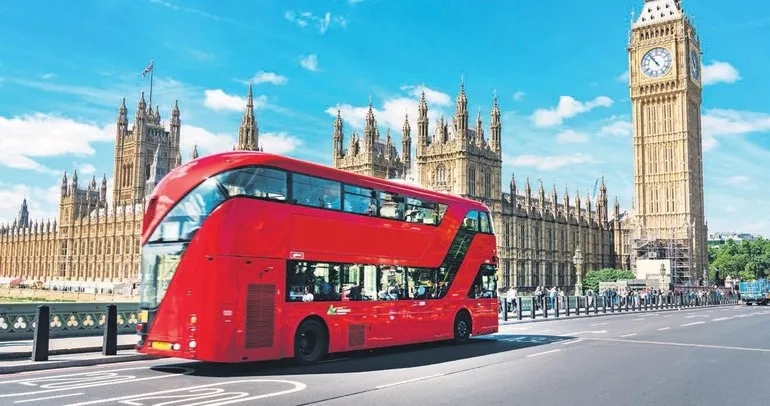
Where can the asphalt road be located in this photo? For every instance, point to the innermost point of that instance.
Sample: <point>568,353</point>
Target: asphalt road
<point>711,356</point>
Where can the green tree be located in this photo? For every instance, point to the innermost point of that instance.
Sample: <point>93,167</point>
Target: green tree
<point>746,260</point>
<point>592,278</point>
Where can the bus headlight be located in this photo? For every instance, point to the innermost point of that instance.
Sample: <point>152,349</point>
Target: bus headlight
<point>192,344</point>
<point>176,347</point>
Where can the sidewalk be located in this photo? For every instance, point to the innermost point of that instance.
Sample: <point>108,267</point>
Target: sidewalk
<point>526,318</point>
<point>65,353</point>
<point>57,346</point>
<point>17,365</point>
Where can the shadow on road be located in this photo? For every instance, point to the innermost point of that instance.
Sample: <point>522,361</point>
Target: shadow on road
<point>410,356</point>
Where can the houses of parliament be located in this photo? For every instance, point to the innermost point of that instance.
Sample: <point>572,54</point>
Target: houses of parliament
<point>538,229</point>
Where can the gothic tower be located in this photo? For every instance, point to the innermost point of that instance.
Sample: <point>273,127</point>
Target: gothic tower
<point>248,133</point>
<point>135,150</point>
<point>665,87</point>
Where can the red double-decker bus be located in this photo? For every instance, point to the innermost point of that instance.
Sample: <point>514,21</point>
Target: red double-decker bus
<point>252,256</point>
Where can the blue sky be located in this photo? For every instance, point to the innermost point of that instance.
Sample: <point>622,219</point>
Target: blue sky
<point>557,68</point>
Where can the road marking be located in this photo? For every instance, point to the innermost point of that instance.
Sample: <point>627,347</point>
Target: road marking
<point>195,393</point>
<point>80,385</point>
<point>638,319</point>
<point>722,318</point>
<point>49,397</point>
<point>664,328</point>
<point>718,347</point>
<point>422,378</point>
<point>543,353</point>
<point>692,324</point>
<point>24,380</point>
<point>599,324</point>
<point>582,332</point>
<point>628,335</point>
<point>572,341</point>
<point>698,315</point>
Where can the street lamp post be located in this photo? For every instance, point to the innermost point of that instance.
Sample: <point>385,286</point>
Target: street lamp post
<point>578,261</point>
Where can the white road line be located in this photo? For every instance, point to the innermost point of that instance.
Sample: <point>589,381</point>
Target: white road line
<point>77,374</point>
<point>698,315</point>
<point>572,342</point>
<point>664,328</point>
<point>298,386</point>
<point>691,324</point>
<point>722,318</point>
<point>628,335</point>
<point>49,397</point>
<point>718,347</point>
<point>599,324</point>
<point>582,332</point>
<point>638,319</point>
<point>422,378</point>
<point>543,353</point>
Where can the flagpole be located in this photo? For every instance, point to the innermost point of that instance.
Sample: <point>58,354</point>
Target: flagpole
<point>152,73</point>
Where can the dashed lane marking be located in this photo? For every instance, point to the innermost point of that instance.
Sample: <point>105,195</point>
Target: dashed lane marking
<point>599,324</point>
<point>692,324</point>
<point>628,335</point>
<point>717,347</point>
<point>572,342</point>
<point>722,318</point>
<point>422,378</point>
<point>543,353</point>
<point>664,328</point>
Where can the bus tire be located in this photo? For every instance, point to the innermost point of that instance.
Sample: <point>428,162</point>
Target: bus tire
<point>462,327</point>
<point>311,342</point>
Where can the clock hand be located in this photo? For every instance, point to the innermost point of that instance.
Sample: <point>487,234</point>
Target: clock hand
<point>656,62</point>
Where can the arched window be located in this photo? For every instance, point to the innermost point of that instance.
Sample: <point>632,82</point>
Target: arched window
<point>488,183</point>
<point>472,181</point>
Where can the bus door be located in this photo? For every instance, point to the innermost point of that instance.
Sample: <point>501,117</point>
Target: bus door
<point>258,286</point>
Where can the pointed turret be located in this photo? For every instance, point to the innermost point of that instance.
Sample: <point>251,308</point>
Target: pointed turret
<point>422,122</point>
<point>495,127</point>
<point>141,107</point>
<point>617,208</point>
<point>248,133</point>
<point>370,129</point>
<point>195,151</point>
<point>64,184</point>
<point>23,219</point>
<point>122,121</point>
<point>479,130</point>
<point>567,205</point>
<point>541,195</point>
<point>406,145</point>
<point>338,136</point>
<point>554,200</point>
<point>527,194</point>
<point>461,114</point>
<point>103,189</point>
<point>175,124</point>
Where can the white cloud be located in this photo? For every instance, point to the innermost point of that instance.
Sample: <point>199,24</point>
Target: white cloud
<point>431,96</point>
<point>719,72</point>
<point>722,122</point>
<point>199,55</point>
<point>279,143</point>
<point>42,203</point>
<point>623,77</point>
<point>85,168</point>
<point>209,142</point>
<point>391,114</point>
<point>42,135</point>
<point>571,137</point>
<point>549,163</point>
<point>737,180</point>
<point>709,143</point>
<point>217,99</point>
<point>269,77</point>
<point>731,209</point>
<point>619,128</point>
<point>568,107</point>
<point>47,76</point>
<point>309,62</point>
<point>518,96</point>
<point>321,22</point>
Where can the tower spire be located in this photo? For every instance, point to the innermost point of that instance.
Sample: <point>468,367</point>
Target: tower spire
<point>248,133</point>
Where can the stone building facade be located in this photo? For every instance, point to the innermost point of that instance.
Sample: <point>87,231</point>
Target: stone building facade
<point>537,233</point>
<point>668,217</point>
<point>94,240</point>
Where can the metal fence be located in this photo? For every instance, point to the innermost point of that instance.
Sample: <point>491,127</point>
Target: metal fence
<point>531,307</point>
<point>17,321</point>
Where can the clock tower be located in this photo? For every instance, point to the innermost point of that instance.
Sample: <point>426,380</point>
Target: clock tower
<point>665,87</point>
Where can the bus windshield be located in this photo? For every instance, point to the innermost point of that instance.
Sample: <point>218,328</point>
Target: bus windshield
<point>164,248</point>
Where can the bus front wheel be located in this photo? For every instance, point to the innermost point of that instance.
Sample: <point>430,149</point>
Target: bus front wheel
<point>311,342</point>
<point>462,328</point>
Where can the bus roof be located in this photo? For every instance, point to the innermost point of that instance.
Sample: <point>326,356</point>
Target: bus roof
<point>192,173</point>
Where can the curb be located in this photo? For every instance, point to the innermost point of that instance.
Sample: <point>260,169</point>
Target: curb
<point>74,363</point>
<point>587,316</point>
<point>62,351</point>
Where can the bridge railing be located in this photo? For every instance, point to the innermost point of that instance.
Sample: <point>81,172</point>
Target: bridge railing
<point>18,321</point>
<point>531,307</point>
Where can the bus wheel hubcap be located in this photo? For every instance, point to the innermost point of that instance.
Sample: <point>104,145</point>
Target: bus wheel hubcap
<point>462,328</point>
<point>307,343</point>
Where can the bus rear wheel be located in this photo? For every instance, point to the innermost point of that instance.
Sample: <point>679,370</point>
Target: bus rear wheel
<point>311,342</point>
<point>462,328</point>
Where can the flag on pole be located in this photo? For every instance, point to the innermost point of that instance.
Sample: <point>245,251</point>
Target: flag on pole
<point>148,69</point>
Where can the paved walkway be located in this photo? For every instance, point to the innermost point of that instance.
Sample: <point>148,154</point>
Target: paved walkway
<point>23,348</point>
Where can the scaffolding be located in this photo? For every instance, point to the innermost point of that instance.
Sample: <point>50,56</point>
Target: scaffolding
<point>676,247</point>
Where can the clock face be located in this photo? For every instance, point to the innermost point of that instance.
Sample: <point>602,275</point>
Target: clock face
<point>694,65</point>
<point>657,62</point>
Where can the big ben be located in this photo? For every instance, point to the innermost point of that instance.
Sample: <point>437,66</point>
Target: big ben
<point>665,88</point>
